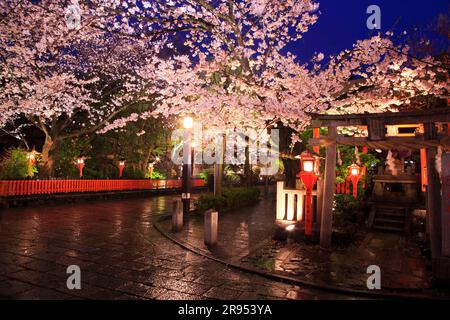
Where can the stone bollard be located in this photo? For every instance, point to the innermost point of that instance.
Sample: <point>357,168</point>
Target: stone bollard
<point>211,226</point>
<point>177,216</point>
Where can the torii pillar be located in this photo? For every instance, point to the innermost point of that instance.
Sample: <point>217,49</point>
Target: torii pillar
<point>326,225</point>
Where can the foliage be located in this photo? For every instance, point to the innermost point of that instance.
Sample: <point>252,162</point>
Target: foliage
<point>348,157</point>
<point>156,175</point>
<point>231,199</point>
<point>14,165</point>
<point>237,68</point>
<point>231,177</point>
<point>133,173</point>
<point>346,206</point>
<point>227,62</point>
<point>308,134</point>
<point>69,151</point>
<point>204,174</point>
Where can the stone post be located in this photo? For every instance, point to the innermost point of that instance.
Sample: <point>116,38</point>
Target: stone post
<point>211,226</point>
<point>177,216</point>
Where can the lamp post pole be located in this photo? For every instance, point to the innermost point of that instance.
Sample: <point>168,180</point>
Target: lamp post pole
<point>151,166</point>
<point>187,164</point>
<point>309,178</point>
<point>121,166</point>
<point>80,165</point>
<point>31,160</point>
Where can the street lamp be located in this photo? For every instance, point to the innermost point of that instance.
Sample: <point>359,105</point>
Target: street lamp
<point>31,159</point>
<point>355,176</point>
<point>188,123</point>
<point>309,177</point>
<point>80,165</point>
<point>151,166</point>
<point>121,166</point>
<point>194,144</point>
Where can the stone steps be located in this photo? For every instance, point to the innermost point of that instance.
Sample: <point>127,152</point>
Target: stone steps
<point>390,219</point>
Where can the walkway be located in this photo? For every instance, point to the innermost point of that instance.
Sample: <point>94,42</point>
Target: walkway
<point>122,256</point>
<point>245,239</point>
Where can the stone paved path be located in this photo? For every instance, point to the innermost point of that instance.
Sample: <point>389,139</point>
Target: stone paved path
<point>121,256</point>
<point>245,238</point>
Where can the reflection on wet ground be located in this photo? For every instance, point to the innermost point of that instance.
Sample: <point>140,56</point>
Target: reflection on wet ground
<point>121,256</point>
<point>245,238</point>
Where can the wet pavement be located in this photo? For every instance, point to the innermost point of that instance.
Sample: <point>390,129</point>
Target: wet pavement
<point>245,239</point>
<point>122,256</point>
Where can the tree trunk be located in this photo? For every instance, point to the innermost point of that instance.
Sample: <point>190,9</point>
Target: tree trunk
<point>247,167</point>
<point>291,168</point>
<point>218,169</point>
<point>48,157</point>
<point>144,164</point>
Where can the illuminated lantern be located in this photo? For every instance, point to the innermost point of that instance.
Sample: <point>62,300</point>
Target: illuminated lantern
<point>121,166</point>
<point>80,165</point>
<point>188,122</point>
<point>150,169</point>
<point>308,175</point>
<point>355,175</point>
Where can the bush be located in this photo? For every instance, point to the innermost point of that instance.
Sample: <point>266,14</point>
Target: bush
<point>231,199</point>
<point>156,175</point>
<point>131,173</point>
<point>346,207</point>
<point>14,165</point>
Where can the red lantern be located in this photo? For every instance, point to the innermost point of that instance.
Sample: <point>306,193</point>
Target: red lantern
<point>121,166</point>
<point>308,176</point>
<point>80,165</point>
<point>355,175</point>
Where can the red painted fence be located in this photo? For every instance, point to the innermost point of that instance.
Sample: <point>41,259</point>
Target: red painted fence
<point>343,188</point>
<point>10,188</point>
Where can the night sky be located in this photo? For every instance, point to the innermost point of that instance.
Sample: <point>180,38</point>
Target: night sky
<point>342,22</point>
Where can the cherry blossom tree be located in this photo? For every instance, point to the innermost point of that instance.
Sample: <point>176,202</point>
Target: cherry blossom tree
<point>80,67</point>
<point>64,72</point>
<point>246,76</point>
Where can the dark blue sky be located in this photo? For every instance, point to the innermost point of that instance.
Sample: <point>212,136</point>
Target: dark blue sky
<point>342,22</point>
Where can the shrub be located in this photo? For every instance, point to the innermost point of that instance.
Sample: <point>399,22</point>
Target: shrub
<point>133,173</point>
<point>208,201</point>
<point>231,199</point>
<point>156,175</point>
<point>14,165</point>
<point>346,207</point>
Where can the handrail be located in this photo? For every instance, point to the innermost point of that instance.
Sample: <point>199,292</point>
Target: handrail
<point>11,188</point>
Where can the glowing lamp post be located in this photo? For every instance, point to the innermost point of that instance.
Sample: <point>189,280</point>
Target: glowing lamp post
<point>188,123</point>
<point>355,176</point>
<point>151,166</point>
<point>80,165</point>
<point>31,159</point>
<point>121,166</point>
<point>309,179</point>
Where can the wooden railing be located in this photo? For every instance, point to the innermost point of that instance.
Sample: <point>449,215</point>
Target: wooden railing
<point>10,188</point>
<point>343,188</point>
